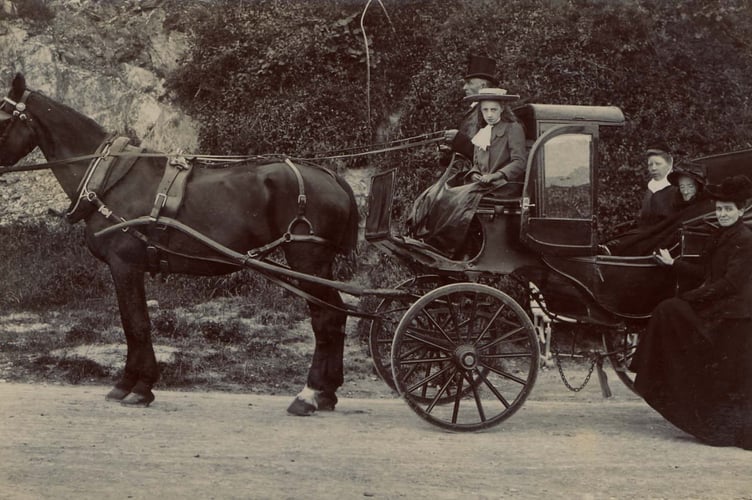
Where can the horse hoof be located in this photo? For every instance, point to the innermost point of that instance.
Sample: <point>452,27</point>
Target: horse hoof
<point>116,394</point>
<point>300,408</point>
<point>137,400</point>
<point>326,402</point>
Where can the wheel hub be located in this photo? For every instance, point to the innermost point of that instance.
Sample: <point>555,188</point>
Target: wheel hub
<point>466,356</point>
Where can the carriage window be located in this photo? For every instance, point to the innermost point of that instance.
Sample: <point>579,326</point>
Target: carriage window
<point>567,189</point>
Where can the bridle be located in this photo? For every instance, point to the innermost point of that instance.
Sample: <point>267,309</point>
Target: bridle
<point>18,109</point>
<point>16,113</point>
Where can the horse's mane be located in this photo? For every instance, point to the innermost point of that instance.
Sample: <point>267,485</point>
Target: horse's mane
<point>63,118</point>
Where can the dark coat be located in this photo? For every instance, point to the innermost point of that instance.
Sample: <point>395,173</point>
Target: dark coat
<point>658,206</point>
<point>694,362</point>
<point>726,291</point>
<point>506,153</point>
<point>468,127</point>
<point>643,240</point>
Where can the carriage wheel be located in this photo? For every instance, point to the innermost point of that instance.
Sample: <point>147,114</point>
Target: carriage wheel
<point>390,312</point>
<point>620,346</point>
<point>465,357</point>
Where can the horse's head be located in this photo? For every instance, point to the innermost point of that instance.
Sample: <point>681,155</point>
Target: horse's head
<point>17,136</point>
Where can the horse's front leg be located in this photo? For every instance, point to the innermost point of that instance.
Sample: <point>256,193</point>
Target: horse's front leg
<point>141,370</point>
<point>326,373</point>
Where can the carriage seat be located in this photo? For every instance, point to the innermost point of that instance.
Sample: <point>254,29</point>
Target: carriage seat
<point>503,200</point>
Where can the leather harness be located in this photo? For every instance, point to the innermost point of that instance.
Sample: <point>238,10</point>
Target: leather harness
<point>167,202</point>
<point>109,167</point>
<point>104,172</point>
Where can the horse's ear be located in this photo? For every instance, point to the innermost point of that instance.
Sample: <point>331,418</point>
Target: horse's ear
<point>19,85</point>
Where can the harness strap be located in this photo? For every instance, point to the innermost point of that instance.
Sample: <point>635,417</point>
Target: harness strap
<point>172,187</point>
<point>167,202</point>
<point>302,201</point>
<point>99,176</point>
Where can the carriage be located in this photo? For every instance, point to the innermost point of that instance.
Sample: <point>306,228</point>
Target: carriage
<point>464,348</point>
<point>460,341</point>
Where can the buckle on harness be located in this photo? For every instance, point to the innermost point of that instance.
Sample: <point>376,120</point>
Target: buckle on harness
<point>163,197</point>
<point>105,211</point>
<point>302,200</point>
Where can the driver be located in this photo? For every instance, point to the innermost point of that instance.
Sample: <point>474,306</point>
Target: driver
<point>480,75</point>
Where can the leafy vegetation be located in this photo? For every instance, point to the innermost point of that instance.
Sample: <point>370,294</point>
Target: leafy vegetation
<point>292,76</point>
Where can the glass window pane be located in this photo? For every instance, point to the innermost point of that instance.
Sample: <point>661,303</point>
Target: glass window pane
<point>567,188</point>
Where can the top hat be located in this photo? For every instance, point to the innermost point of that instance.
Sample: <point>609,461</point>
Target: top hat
<point>491,94</point>
<point>736,189</point>
<point>658,148</point>
<point>694,171</point>
<point>482,67</point>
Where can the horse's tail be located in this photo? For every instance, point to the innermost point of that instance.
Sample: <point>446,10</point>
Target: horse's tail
<point>349,243</point>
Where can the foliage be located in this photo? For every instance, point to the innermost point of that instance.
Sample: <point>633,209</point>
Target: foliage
<point>38,12</point>
<point>291,76</point>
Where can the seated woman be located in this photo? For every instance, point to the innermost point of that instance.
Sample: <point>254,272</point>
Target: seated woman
<point>689,179</point>
<point>694,364</point>
<point>442,214</point>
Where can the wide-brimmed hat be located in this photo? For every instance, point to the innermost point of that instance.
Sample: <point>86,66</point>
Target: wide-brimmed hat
<point>492,94</point>
<point>694,171</point>
<point>736,189</point>
<point>658,148</point>
<point>481,67</point>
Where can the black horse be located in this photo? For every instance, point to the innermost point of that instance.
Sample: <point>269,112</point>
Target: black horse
<point>243,207</point>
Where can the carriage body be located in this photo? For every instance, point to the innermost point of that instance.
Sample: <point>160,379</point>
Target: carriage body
<point>549,233</point>
<point>547,240</point>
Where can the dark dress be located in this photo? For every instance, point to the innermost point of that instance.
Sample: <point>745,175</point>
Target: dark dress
<point>643,240</point>
<point>694,364</point>
<point>658,206</point>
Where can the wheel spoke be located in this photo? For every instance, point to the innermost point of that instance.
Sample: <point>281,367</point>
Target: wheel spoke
<point>420,361</point>
<point>507,355</point>
<point>436,324</point>
<point>427,379</point>
<point>416,336</point>
<point>439,393</point>
<point>494,317</point>
<point>476,397</point>
<point>457,397</point>
<point>503,373</point>
<point>493,389</point>
<point>504,338</point>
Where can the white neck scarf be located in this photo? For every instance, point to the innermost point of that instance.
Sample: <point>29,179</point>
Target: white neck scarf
<point>655,185</point>
<point>483,138</point>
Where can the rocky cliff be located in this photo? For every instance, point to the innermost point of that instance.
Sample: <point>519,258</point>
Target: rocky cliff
<point>105,59</point>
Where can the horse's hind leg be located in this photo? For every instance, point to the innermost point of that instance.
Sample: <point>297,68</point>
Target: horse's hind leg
<point>141,370</point>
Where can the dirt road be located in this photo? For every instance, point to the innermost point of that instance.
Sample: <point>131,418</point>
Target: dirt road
<point>64,442</point>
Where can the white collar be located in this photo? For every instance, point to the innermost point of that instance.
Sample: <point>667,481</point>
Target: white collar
<point>655,185</point>
<point>483,138</point>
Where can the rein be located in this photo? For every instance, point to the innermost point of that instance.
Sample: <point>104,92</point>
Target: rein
<point>395,145</point>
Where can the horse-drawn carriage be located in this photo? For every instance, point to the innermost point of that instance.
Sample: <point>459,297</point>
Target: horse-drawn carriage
<point>465,355</point>
<point>460,342</point>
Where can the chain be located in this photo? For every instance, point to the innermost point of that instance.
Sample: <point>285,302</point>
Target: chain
<point>564,379</point>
